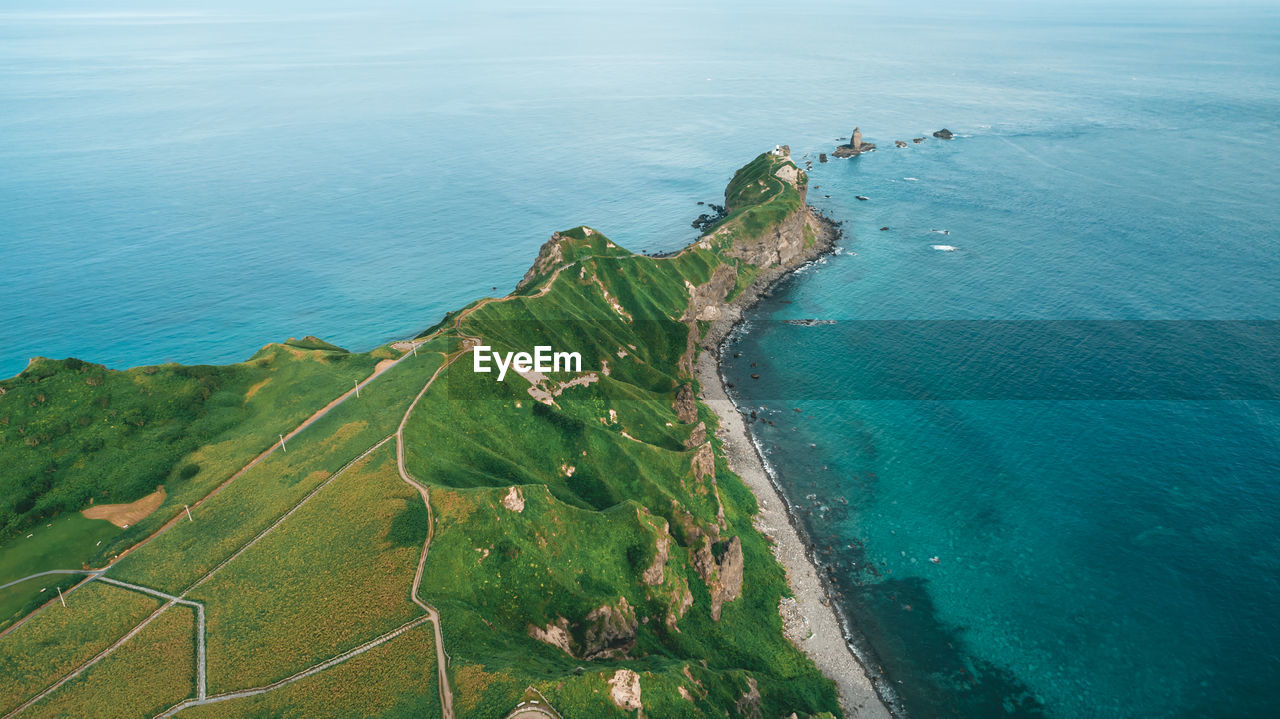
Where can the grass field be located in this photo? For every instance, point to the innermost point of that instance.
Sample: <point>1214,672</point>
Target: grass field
<point>396,680</point>
<point>182,555</point>
<point>62,542</point>
<point>292,601</point>
<point>72,433</point>
<point>150,673</point>
<point>38,653</point>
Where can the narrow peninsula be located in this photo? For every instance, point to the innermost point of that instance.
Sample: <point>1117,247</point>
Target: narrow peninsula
<point>396,533</point>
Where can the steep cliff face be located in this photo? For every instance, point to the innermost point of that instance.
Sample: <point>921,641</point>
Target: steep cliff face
<point>786,234</point>
<point>550,256</point>
<point>778,247</point>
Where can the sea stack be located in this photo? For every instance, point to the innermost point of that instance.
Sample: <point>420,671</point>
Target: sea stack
<point>855,147</point>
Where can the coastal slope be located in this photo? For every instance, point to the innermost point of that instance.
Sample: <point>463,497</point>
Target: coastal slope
<point>584,542</point>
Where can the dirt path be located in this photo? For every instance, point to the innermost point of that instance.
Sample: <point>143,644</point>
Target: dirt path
<point>442,660</point>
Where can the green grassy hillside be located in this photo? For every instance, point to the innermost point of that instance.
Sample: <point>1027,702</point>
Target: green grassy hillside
<point>583,531</point>
<point>73,432</point>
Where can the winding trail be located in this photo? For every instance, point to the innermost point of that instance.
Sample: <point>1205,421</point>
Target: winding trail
<point>170,600</point>
<point>442,660</point>
<point>378,370</point>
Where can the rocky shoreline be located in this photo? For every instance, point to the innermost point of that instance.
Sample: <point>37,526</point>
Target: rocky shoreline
<point>814,623</point>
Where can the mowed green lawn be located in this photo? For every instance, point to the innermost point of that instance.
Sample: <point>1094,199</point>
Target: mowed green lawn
<point>66,542</point>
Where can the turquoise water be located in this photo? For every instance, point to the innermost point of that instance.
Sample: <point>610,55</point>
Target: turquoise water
<point>1096,557</point>
<point>188,181</point>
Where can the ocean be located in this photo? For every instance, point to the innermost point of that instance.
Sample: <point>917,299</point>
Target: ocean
<point>189,181</point>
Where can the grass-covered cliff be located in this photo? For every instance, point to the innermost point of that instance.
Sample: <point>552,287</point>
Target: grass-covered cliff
<point>584,541</point>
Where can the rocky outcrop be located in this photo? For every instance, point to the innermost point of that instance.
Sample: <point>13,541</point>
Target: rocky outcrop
<point>697,436</point>
<point>686,405</point>
<point>944,134</point>
<point>550,256</point>
<point>656,573</point>
<point>556,634</point>
<point>681,600</point>
<point>719,563</point>
<point>514,500</point>
<point>607,631</point>
<point>822,157</point>
<point>899,143</point>
<point>705,301</point>
<point>855,147</point>
<point>748,705</point>
<point>704,463</point>
<point>671,586</point>
<point>624,690</point>
<point>708,219</point>
<point>918,140</point>
<point>611,630</point>
<point>779,246</point>
<point>726,584</point>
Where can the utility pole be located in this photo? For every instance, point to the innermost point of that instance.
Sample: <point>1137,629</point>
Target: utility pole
<point>188,508</point>
<point>282,447</point>
<point>60,599</point>
<point>357,389</point>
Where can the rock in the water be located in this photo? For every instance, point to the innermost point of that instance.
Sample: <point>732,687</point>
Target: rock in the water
<point>900,143</point>
<point>707,219</point>
<point>918,140</point>
<point>944,134</point>
<point>855,147</point>
<point>864,198</point>
<point>822,157</point>
<point>884,229</point>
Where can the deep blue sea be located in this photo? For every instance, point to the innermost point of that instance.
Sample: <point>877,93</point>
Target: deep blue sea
<point>187,181</point>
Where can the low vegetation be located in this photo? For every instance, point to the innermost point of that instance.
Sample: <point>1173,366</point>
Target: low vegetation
<point>396,680</point>
<point>590,544</point>
<point>74,433</point>
<point>150,673</point>
<point>292,601</point>
<point>34,655</point>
